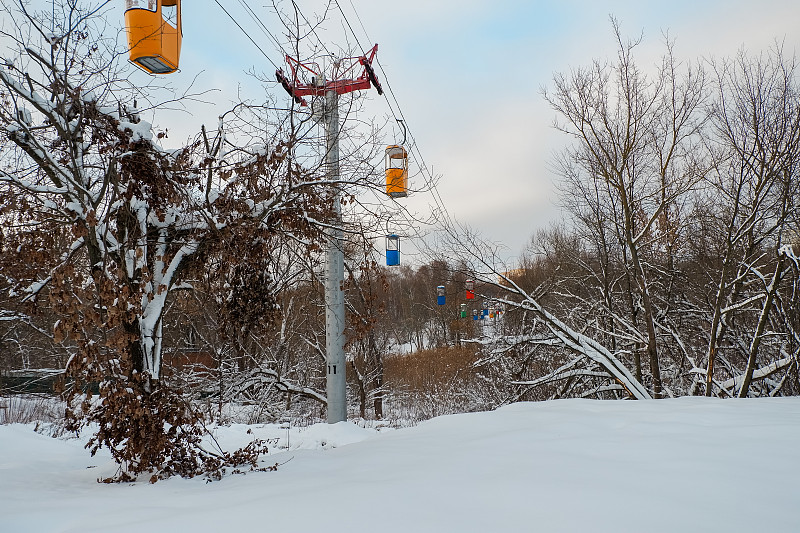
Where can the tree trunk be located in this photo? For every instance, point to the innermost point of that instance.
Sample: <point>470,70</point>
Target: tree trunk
<point>362,392</point>
<point>762,323</point>
<point>652,347</point>
<point>644,290</point>
<point>377,370</point>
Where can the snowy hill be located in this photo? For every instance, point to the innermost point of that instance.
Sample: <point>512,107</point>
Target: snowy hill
<point>689,464</point>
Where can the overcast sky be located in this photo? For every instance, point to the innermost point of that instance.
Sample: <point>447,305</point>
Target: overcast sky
<point>468,77</point>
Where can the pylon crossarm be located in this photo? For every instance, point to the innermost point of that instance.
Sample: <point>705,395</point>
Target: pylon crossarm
<point>343,83</point>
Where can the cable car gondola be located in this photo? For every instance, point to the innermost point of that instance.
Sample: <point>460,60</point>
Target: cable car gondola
<point>396,171</point>
<point>396,161</point>
<point>470,286</point>
<point>392,250</point>
<point>154,34</point>
<point>440,298</point>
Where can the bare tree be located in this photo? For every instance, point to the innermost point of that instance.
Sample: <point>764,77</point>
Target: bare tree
<point>142,220</point>
<point>481,259</point>
<point>632,135</point>
<point>756,120</point>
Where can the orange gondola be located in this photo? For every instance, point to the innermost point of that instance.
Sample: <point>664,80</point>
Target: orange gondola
<point>154,34</point>
<point>396,171</point>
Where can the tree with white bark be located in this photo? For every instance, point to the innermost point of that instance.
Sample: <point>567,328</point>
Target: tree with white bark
<point>144,221</point>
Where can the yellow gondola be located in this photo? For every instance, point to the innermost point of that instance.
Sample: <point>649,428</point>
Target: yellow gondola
<point>396,171</point>
<point>154,34</point>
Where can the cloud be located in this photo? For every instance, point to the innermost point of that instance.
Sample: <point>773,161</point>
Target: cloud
<point>467,76</point>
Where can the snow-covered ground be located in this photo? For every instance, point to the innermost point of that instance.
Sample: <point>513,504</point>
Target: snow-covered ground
<point>689,464</point>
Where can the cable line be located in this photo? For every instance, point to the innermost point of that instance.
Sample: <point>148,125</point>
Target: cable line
<point>311,27</point>
<point>397,114</point>
<point>411,220</point>
<point>261,24</point>
<point>351,28</point>
<point>429,180</point>
<point>247,34</point>
<point>415,147</point>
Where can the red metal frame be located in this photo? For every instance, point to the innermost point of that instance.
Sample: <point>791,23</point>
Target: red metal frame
<point>342,85</point>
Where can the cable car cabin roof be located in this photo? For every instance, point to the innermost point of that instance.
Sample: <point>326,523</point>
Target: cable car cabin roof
<point>396,151</point>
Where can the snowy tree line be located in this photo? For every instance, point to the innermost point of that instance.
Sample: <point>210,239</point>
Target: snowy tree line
<point>680,257</point>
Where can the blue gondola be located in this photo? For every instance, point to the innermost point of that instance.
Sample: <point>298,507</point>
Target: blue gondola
<point>392,250</point>
<point>440,295</point>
